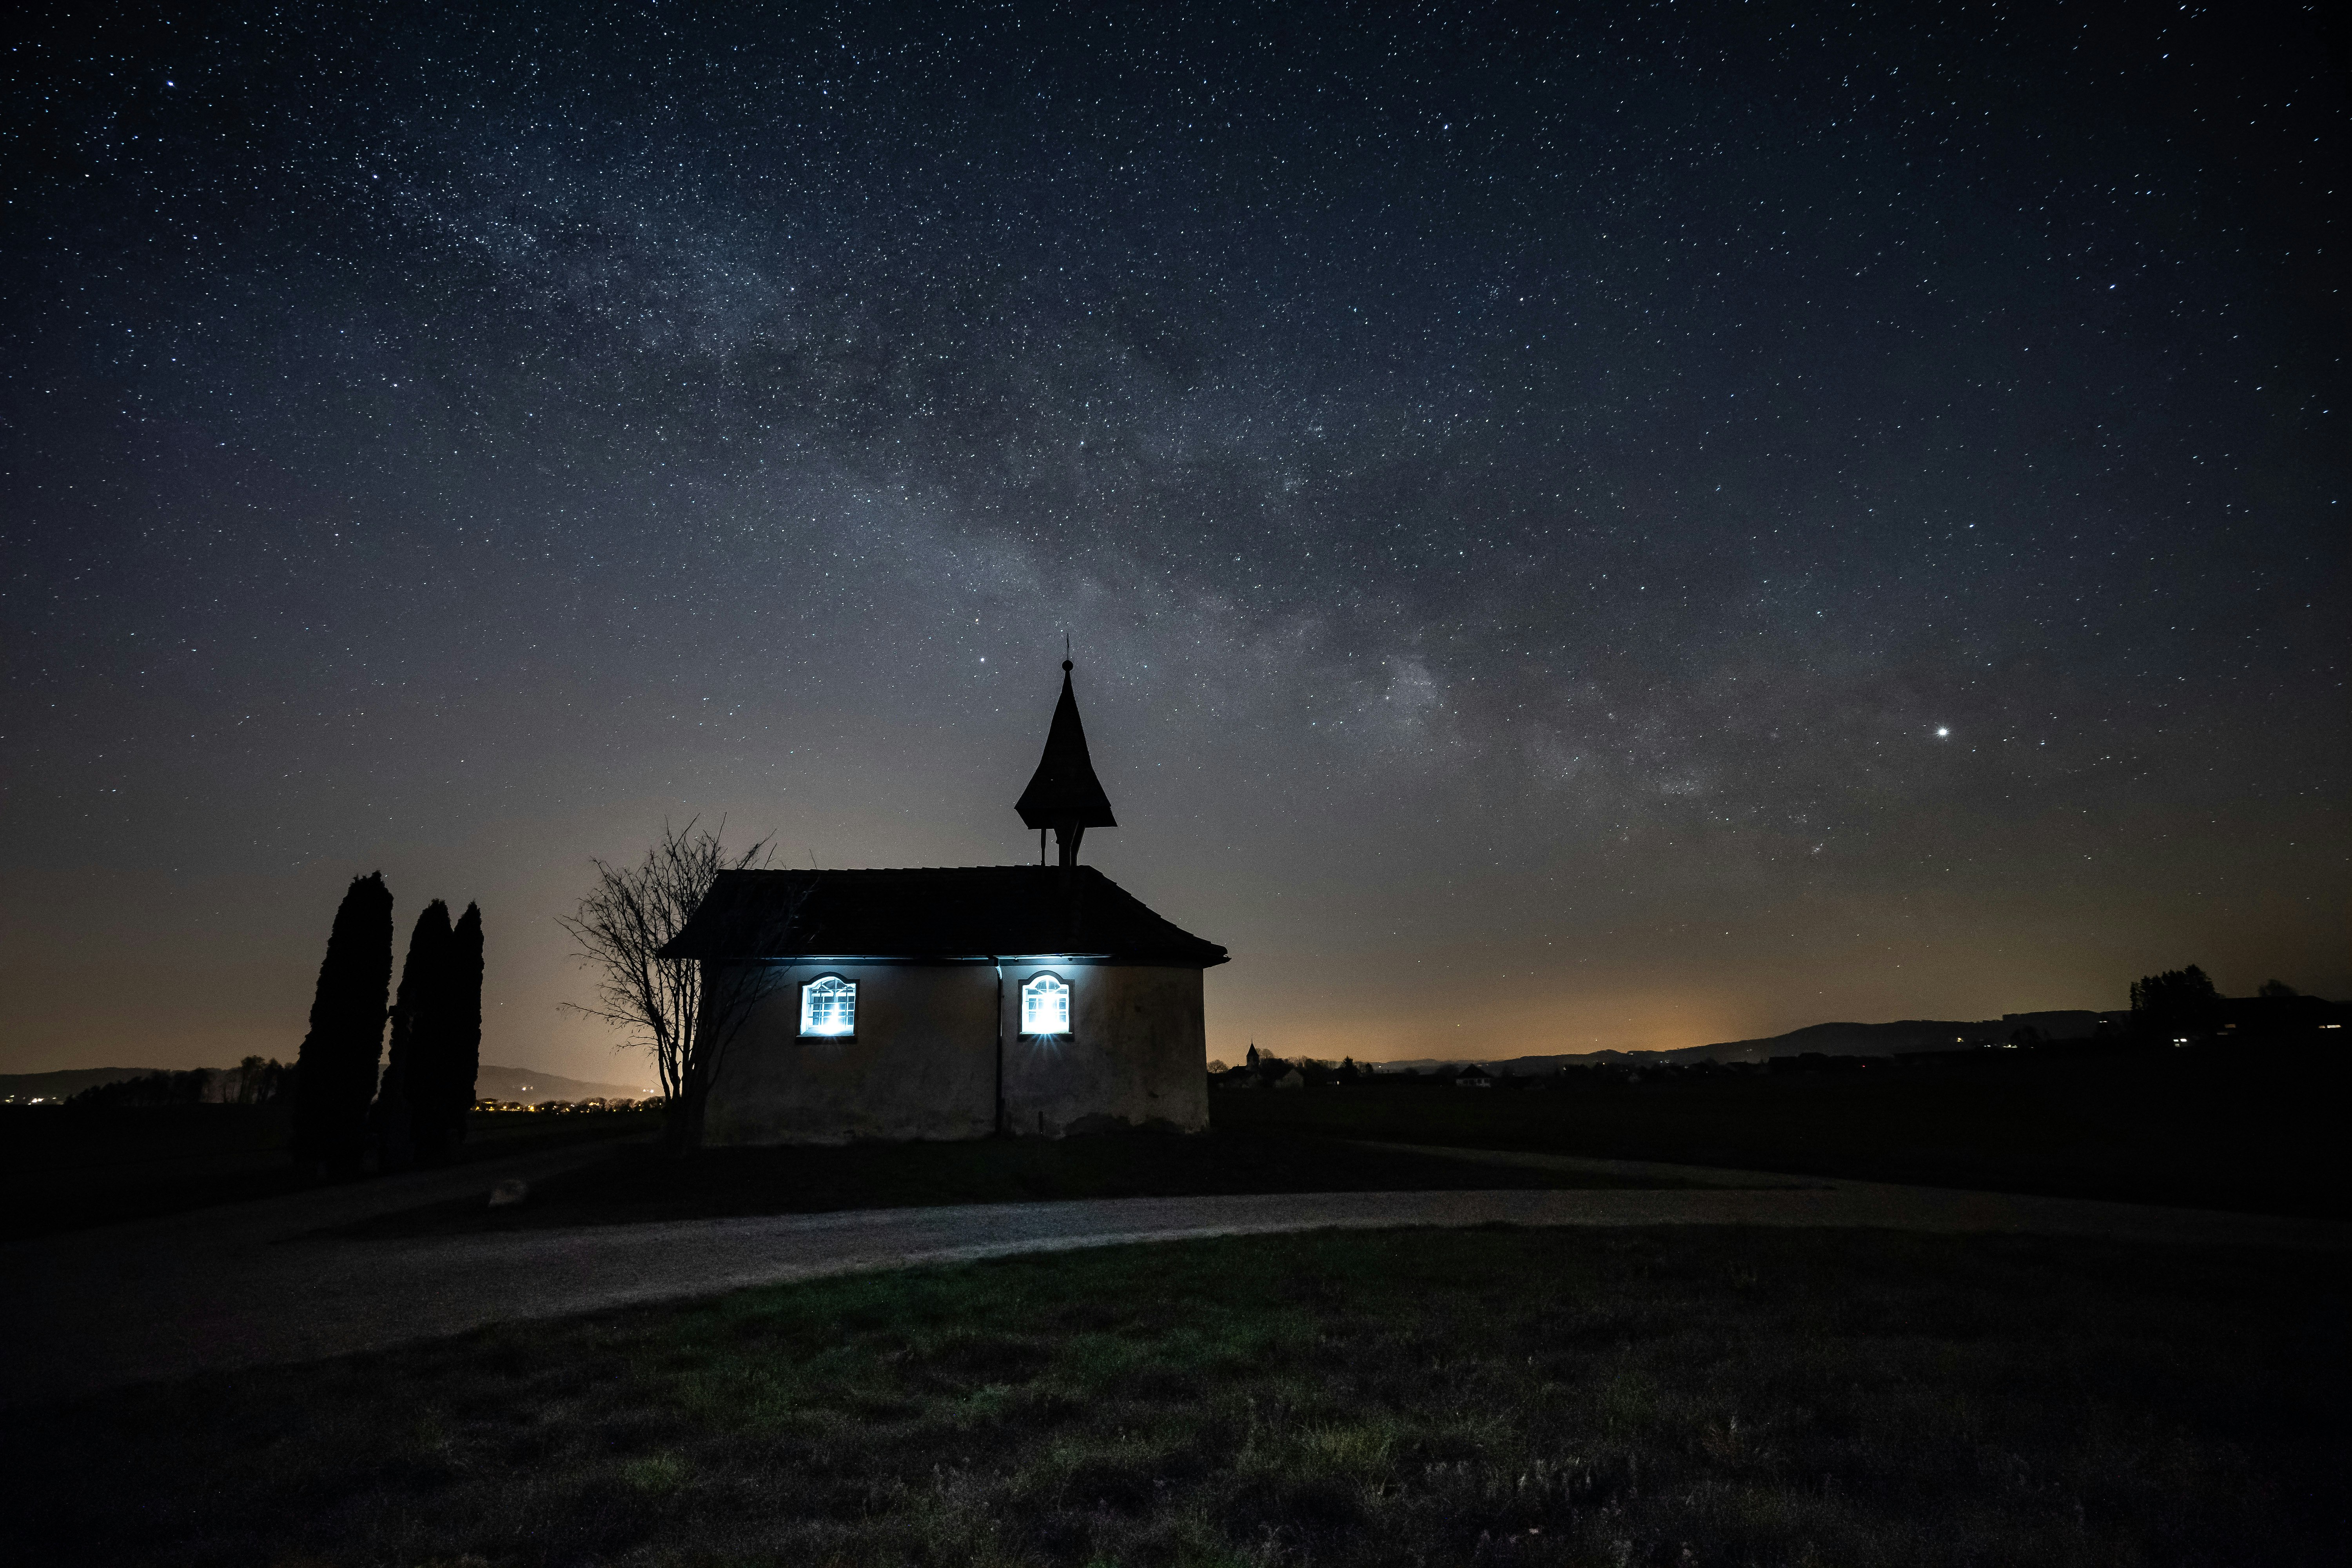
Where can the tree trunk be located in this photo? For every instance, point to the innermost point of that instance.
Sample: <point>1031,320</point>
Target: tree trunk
<point>682,1125</point>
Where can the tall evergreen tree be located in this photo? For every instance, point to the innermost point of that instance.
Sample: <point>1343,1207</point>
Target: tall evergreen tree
<point>460,1047</point>
<point>405,1109</point>
<point>335,1074</point>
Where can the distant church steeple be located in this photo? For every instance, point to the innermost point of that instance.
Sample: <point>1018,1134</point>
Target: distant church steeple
<point>1063,793</point>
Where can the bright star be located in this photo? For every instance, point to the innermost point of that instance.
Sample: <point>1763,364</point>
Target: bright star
<point>1942,733</point>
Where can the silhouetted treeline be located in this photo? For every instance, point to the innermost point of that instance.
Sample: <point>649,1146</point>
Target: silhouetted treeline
<point>2180,1005</point>
<point>253,1081</point>
<point>153,1089</point>
<point>1278,1072</point>
<point>260,1082</point>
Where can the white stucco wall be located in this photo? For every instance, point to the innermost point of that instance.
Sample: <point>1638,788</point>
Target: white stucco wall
<point>1137,1053</point>
<point>923,1062</point>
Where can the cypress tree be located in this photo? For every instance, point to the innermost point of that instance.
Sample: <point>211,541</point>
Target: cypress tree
<point>404,1108</point>
<point>460,1048</point>
<point>335,1076</point>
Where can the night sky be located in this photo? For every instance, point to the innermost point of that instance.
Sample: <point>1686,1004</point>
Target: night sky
<point>1616,529</point>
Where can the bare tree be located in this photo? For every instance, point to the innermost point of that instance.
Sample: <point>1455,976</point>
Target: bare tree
<point>683,1011</point>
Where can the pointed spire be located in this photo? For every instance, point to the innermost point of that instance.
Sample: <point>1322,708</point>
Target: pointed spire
<point>1063,793</point>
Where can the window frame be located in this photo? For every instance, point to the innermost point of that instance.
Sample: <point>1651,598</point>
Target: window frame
<point>1068,1028</point>
<point>843,983</point>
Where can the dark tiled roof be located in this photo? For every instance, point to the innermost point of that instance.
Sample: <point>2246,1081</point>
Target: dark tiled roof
<point>967,912</point>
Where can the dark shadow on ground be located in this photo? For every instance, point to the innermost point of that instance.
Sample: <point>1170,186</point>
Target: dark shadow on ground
<point>67,1168</point>
<point>638,1184</point>
<point>2251,1130</point>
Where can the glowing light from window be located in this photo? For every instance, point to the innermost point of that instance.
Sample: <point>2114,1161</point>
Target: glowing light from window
<point>829,1006</point>
<point>1045,1006</point>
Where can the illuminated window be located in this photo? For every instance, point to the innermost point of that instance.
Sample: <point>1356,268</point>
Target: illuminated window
<point>1045,1006</point>
<point>829,1006</point>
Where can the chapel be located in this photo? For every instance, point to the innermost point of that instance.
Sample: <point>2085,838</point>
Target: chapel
<point>1022,1001</point>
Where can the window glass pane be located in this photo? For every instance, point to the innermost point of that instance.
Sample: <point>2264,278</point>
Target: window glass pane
<point>829,1006</point>
<point>1045,1006</point>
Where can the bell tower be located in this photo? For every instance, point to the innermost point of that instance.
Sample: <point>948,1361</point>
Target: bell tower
<point>1063,793</point>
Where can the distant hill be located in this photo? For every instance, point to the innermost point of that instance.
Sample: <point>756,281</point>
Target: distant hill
<point>526,1086</point>
<point>529,1085</point>
<point>21,1087</point>
<point>1910,1035</point>
<point>1829,1039</point>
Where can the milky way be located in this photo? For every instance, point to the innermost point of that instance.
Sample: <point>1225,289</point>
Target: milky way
<point>1580,531</point>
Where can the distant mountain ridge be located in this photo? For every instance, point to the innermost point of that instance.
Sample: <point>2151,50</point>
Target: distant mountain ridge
<point>63,1084</point>
<point>529,1085</point>
<point>526,1086</point>
<point>1830,1039</point>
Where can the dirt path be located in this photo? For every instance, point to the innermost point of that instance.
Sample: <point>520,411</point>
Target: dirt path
<point>255,1284</point>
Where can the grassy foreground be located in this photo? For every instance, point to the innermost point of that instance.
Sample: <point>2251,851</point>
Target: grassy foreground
<point>1674,1396</point>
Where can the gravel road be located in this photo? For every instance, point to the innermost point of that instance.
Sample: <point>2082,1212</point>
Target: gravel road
<point>254,1283</point>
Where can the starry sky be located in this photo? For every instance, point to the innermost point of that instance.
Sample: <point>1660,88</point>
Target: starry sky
<point>1578,528</point>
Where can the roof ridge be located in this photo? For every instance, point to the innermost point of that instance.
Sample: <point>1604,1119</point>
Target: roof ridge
<point>932,910</point>
<point>892,870</point>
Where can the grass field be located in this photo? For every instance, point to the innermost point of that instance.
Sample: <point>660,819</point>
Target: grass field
<point>637,1184</point>
<point>1685,1396</point>
<point>2257,1133</point>
<point>68,1168</point>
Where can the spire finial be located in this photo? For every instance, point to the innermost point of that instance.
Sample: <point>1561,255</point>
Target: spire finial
<point>1065,653</point>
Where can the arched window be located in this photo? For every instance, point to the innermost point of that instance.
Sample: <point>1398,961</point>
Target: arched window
<point>1045,1006</point>
<point>829,1006</point>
